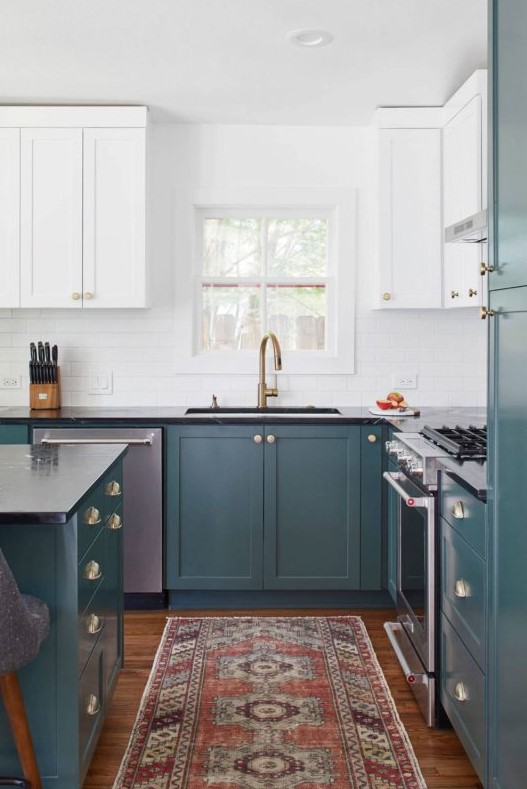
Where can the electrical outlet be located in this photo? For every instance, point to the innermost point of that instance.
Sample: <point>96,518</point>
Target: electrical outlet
<point>405,381</point>
<point>100,383</point>
<point>11,382</point>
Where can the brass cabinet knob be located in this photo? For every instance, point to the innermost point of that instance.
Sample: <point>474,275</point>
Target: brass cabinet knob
<point>88,295</point>
<point>271,439</point>
<point>94,624</point>
<point>472,292</point>
<point>461,588</point>
<point>486,312</point>
<point>458,510</point>
<point>114,521</point>
<point>92,571</point>
<point>92,516</point>
<point>461,692</point>
<point>257,439</point>
<point>386,296</point>
<point>372,438</point>
<point>93,704</point>
<point>75,296</point>
<point>113,488</point>
<point>483,268</point>
<point>454,294</point>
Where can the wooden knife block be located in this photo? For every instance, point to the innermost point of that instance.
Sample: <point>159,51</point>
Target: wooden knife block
<point>45,396</point>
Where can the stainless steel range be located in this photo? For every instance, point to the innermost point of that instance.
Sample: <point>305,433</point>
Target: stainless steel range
<point>414,462</point>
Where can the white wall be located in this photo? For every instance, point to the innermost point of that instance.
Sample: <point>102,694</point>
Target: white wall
<point>147,351</point>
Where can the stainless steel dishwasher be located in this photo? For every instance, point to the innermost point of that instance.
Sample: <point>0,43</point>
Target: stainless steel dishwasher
<point>143,503</point>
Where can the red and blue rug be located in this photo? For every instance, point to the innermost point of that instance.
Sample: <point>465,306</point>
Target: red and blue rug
<point>267,703</point>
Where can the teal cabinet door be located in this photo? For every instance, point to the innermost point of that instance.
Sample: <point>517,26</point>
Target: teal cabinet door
<point>14,434</point>
<point>392,511</point>
<point>214,507</point>
<point>372,538</point>
<point>507,508</point>
<point>312,507</point>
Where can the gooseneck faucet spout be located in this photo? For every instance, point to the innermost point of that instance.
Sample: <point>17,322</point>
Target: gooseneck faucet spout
<point>263,390</point>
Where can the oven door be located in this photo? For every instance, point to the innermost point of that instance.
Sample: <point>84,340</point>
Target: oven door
<point>413,636</point>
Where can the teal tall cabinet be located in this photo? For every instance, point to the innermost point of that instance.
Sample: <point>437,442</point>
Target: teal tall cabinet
<point>507,412</point>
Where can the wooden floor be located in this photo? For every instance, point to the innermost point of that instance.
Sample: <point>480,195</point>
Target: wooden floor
<point>441,757</point>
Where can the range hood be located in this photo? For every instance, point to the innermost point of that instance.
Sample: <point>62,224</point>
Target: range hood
<point>473,229</point>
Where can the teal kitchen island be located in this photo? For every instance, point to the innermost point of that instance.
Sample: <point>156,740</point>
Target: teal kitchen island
<point>61,533</point>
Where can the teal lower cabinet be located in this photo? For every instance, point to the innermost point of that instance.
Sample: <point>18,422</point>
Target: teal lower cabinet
<point>274,507</point>
<point>392,512</point>
<point>14,434</point>
<point>463,622</point>
<point>76,568</point>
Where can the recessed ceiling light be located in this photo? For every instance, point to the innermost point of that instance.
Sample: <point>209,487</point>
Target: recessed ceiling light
<point>308,37</point>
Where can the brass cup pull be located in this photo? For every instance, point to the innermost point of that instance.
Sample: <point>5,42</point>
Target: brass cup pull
<point>372,438</point>
<point>88,295</point>
<point>257,439</point>
<point>92,571</point>
<point>271,439</point>
<point>461,692</point>
<point>486,312</point>
<point>94,624</point>
<point>472,292</point>
<point>93,704</point>
<point>75,296</point>
<point>458,510</point>
<point>114,522</point>
<point>454,294</point>
<point>113,488</point>
<point>92,516</point>
<point>387,296</point>
<point>461,588</point>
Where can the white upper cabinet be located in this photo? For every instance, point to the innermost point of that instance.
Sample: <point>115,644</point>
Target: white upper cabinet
<point>51,218</point>
<point>410,248</point>
<point>9,217</point>
<point>82,188</point>
<point>465,188</point>
<point>114,260</point>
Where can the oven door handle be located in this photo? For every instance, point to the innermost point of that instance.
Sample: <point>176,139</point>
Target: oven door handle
<point>410,501</point>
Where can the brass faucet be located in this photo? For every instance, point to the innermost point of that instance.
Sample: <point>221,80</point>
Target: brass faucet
<point>263,391</point>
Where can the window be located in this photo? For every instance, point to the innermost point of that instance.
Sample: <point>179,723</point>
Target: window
<point>264,270</point>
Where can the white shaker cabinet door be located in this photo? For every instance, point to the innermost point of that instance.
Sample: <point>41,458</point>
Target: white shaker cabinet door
<point>51,218</point>
<point>9,217</point>
<point>410,243</point>
<point>114,259</point>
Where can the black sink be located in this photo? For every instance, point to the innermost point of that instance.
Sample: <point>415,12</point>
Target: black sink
<point>307,410</point>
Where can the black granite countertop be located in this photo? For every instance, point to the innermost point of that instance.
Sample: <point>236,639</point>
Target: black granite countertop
<point>44,485</point>
<point>177,415</point>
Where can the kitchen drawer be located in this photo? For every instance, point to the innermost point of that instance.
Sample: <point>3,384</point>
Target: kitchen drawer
<point>92,569</point>
<point>461,677</point>
<point>91,624</point>
<point>464,512</point>
<point>463,591</point>
<point>91,705</point>
<point>113,489</point>
<point>91,520</point>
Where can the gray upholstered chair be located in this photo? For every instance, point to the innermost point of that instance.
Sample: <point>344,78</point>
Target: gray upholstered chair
<point>24,624</point>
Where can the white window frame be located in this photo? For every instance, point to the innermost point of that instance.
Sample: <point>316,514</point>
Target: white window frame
<point>338,206</point>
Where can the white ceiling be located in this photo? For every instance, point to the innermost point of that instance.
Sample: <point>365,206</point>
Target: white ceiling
<point>228,61</point>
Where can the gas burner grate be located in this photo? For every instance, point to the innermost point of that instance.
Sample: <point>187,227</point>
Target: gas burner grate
<point>465,443</point>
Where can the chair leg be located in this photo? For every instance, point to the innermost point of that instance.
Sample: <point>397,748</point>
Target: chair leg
<point>16,712</point>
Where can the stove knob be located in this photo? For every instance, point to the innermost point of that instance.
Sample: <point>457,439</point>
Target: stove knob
<point>415,468</point>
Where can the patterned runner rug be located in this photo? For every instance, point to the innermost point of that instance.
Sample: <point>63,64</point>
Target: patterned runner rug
<point>267,703</point>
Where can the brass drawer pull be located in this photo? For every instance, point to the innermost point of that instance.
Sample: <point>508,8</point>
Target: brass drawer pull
<point>461,588</point>
<point>454,294</point>
<point>472,292</point>
<point>484,312</point>
<point>92,571</point>
<point>113,488</point>
<point>372,438</point>
<point>114,521</point>
<point>483,268</point>
<point>93,704</point>
<point>92,516</point>
<point>257,439</point>
<point>271,439</point>
<point>387,296</point>
<point>458,510</point>
<point>461,692</point>
<point>94,624</point>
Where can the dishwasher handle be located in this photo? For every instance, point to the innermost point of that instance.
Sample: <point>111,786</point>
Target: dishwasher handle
<point>145,442</point>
